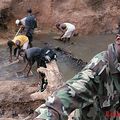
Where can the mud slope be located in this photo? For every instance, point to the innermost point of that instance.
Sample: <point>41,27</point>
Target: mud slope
<point>89,16</point>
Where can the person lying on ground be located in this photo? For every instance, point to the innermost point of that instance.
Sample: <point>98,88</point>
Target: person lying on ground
<point>67,29</point>
<point>93,91</point>
<point>42,56</point>
<point>28,24</point>
<point>19,42</point>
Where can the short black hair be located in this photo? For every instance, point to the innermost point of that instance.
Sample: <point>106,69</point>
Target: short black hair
<point>29,10</point>
<point>10,43</point>
<point>57,24</point>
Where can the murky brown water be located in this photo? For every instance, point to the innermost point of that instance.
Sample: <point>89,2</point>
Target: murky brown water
<point>81,47</point>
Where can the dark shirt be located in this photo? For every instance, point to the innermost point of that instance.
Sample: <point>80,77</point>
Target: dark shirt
<point>30,22</point>
<point>33,52</point>
<point>41,55</point>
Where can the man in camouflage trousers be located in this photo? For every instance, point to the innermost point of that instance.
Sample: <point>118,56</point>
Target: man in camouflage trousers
<point>94,92</point>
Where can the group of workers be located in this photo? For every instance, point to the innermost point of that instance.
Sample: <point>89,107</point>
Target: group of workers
<point>94,91</point>
<point>22,46</point>
<point>22,43</point>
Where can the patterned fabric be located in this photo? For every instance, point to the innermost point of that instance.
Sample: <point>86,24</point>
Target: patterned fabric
<point>93,92</point>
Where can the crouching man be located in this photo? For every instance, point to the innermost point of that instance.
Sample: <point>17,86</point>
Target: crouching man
<point>67,29</point>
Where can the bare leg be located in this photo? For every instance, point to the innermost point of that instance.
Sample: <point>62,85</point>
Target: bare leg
<point>25,66</point>
<point>29,70</point>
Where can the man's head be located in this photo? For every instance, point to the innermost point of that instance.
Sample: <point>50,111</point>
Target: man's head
<point>117,40</point>
<point>63,26</point>
<point>10,43</point>
<point>57,25</point>
<point>29,10</point>
<point>22,53</point>
<point>117,45</point>
<point>18,22</point>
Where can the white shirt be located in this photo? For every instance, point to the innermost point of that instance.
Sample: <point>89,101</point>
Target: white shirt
<point>23,20</point>
<point>69,26</point>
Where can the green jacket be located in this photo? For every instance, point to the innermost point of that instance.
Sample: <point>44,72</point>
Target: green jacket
<point>94,91</point>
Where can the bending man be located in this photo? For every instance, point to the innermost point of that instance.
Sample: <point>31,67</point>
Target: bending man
<point>19,42</point>
<point>67,29</point>
<point>42,56</point>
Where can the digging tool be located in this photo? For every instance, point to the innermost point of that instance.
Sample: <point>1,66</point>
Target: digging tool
<point>18,31</point>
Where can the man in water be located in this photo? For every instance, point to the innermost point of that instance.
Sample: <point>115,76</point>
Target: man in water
<point>67,29</point>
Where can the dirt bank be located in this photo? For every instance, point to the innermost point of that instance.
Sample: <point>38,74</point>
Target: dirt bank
<point>89,16</point>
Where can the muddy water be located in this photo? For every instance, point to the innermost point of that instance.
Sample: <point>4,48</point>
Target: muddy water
<point>80,47</point>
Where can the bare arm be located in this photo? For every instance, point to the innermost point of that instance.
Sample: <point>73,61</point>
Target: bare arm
<point>10,59</point>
